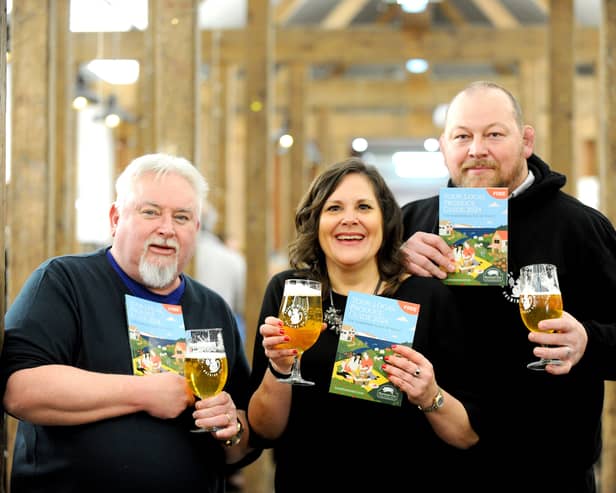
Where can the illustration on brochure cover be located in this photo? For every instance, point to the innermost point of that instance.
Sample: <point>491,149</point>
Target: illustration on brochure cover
<point>371,324</point>
<point>156,336</point>
<point>474,222</point>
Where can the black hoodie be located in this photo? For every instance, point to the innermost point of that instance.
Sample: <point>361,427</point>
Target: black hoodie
<point>552,422</point>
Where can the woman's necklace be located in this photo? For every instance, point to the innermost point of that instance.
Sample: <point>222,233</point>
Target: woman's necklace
<point>333,316</point>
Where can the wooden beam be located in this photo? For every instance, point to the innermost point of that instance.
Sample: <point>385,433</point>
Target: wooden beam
<point>376,43</point>
<point>89,46</point>
<point>343,14</point>
<point>497,13</point>
<point>286,9</point>
<point>258,60</point>
<point>394,94</point>
<point>382,44</point>
<point>607,188</point>
<point>3,251</point>
<point>297,126</point>
<point>259,63</point>
<point>452,13</point>
<point>63,216</point>
<point>561,62</point>
<point>175,71</point>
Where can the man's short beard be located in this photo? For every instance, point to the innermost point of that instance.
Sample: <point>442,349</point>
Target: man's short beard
<point>157,276</point>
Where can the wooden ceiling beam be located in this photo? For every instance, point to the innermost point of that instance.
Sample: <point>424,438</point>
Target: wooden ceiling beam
<point>497,14</point>
<point>286,9</point>
<point>343,14</point>
<point>392,95</point>
<point>452,13</point>
<point>396,94</point>
<point>373,44</point>
<point>380,44</point>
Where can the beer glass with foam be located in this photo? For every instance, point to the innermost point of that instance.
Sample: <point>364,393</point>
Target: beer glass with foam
<point>540,299</point>
<point>301,312</point>
<point>205,364</point>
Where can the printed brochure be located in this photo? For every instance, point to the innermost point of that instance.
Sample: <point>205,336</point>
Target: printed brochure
<point>370,325</point>
<point>156,335</point>
<point>474,222</point>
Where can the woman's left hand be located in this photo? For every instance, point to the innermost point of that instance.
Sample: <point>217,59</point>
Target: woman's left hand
<point>413,374</point>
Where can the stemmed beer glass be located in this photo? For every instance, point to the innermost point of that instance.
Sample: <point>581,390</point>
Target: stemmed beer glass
<point>205,365</point>
<point>540,299</point>
<point>301,312</point>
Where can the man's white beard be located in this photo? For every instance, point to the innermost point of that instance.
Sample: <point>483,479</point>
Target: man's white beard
<point>157,276</point>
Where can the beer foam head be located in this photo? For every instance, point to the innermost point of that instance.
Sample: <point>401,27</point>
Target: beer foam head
<point>294,289</point>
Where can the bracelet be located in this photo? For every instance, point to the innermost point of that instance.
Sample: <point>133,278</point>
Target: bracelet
<point>235,439</point>
<point>275,372</point>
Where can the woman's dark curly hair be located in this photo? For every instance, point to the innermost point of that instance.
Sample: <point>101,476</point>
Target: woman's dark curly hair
<point>305,252</point>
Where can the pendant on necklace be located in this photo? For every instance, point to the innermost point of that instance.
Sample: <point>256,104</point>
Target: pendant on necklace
<point>332,317</point>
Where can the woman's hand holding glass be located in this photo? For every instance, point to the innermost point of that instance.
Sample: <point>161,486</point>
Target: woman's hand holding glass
<point>301,312</point>
<point>273,334</point>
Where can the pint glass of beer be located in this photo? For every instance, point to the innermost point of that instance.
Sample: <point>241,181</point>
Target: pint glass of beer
<point>301,312</point>
<point>540,299</point>
<point>205,364</point>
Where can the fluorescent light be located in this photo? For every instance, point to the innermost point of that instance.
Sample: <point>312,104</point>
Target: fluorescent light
<point>108,15</point>
<point>115,71</point>
<point>413,6</point>
<point>419,164</point>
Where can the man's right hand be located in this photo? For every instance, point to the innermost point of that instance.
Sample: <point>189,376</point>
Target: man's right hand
<point>426,253</point>
<point>166,395</point>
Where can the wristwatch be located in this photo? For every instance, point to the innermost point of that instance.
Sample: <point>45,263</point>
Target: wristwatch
<point>235,439</point>
<point>437,403</point>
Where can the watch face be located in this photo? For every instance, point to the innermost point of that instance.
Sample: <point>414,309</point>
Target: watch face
<point>439,401</point>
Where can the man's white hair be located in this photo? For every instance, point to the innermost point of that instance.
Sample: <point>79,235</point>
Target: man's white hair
<point>160,164</point>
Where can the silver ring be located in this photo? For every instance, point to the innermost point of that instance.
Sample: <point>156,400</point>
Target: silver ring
<point>417,372</point>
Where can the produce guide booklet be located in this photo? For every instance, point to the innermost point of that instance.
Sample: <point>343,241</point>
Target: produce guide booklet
<point>370,325</point>
<point>157,336</point>
<point>474,221</point>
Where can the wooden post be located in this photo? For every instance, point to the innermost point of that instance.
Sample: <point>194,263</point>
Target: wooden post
<point>176,55</point>
<point>62,216</point>
<point>560,61</point>
<point>175,105</point>
<point>259,58</point>
<point>297,128</point>
<point>607,180</point>
<point>3,55</point>
<point>31,192</point>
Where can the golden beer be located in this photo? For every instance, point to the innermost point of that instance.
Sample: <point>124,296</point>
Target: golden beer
<point>206,373</point>
<point>301,313</point>
<point>535,307</point>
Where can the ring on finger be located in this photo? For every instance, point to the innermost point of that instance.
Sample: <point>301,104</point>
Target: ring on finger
<point>228,419</point>
<point>417,372</point>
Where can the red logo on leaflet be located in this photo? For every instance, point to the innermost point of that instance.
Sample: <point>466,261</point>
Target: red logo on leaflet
<point>498,193</point>
<point>175,309</point>
<point>410,308</point>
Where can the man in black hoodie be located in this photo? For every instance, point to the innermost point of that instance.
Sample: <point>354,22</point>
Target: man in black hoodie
<point>542,429</point>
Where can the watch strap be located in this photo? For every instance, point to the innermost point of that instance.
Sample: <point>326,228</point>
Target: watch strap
<point>235,439</point>
<point>437,402</point>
